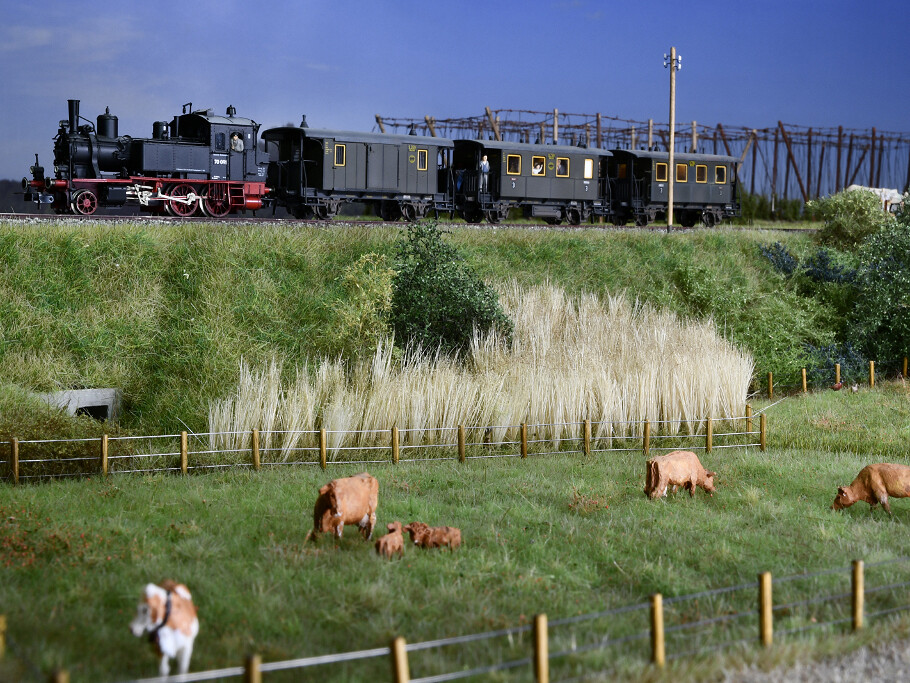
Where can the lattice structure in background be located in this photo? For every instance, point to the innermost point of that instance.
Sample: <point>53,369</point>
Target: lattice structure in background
<point>785,161</point>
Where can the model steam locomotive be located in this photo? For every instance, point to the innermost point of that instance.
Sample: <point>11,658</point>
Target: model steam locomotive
<point>215,165</point>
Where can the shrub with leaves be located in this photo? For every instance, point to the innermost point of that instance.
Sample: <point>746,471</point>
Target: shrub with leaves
<point>437,299</point>
<point>849,217</point>
<point>881,319</point>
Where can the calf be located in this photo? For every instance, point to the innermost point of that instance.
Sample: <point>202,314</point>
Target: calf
<point>167,615</point>
<point>392,542</point>
<point>679,468</point>
<point>874,484</point>
<point>425,536</point>
<point>351,500</point>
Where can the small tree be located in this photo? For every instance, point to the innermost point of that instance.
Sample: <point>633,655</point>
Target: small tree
<point>437,299</point>
<point>849,217</point>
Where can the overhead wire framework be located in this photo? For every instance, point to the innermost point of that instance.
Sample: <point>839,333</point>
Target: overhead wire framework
<point>783,161</point>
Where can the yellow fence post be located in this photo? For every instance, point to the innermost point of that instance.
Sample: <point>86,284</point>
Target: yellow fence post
<point>256,461</point>
<point>748,419</point>
<point>524,439</point>
<point>859,588</point>
<point>658,655</point>
<point>804,381</point>
<point>14,459</point>
<point>322,448</point>
<point>395,451</point>
<point>646,438</point>
<point>461,443</point>
<point>104,455</point>
<point>2,636</point>
<point>400,672</point>
<point>541,650</point>
<point>904,373</point>
<point>770,385</point>
<point>765,613</point>
<point>587,432</point>
<point>709,435</point>
<point>252,669</point>
<point>871,373</point>
<point>184,452</point>
<point>837,373</point>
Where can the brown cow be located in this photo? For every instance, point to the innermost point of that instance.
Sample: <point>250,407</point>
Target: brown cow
<point>350,500</point>
<point>425,536</point>
<point>679,468</point>
<point>392,542</point>
<point>874,484</point>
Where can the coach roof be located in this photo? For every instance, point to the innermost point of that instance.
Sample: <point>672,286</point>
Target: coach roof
<point>355,136</point>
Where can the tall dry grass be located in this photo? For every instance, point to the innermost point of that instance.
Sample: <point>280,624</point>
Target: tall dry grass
<point>600,358</point>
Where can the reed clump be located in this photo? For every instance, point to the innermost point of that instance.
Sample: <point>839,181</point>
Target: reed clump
<point>605,359</point>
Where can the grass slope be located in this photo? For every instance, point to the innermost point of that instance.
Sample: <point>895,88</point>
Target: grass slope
<point>166,311</point>
<point>557,534</point>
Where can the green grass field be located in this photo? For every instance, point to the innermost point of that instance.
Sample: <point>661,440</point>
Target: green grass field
<point>560,534</point>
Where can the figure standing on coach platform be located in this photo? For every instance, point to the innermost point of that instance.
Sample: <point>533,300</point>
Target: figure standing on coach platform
<point>484,174</point>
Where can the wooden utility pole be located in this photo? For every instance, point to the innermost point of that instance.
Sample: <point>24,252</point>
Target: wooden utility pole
<point>379,122</point>
<point>694,138</point>
<point>840,141</point>
<point>651,134</point>
<point>600,136</point>
<point>493,124</point>
<point>671,175</point>
<point>802,187</point>
<point>872,161</point>
<point>774,176</point>
<point>556,126</point>
<point>431,124</point>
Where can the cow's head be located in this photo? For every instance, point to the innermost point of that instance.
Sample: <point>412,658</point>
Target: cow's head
<point>150,610</point>
<point>844,498</point>
<point>709,481</point>
<point>393,527</point>
<point>417,530</point>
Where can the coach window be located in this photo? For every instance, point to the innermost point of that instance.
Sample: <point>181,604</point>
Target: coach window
<point>720,175</point>
<point>589,169</point>
<point>621,172</point>
<point>562,167</point>
<point>513,164</point>
<point>538,166</point>
<point>421,160</point>
<point>660,173</point>
<point>682,173</point>
<point>701,174</point>
<point>339,155</point>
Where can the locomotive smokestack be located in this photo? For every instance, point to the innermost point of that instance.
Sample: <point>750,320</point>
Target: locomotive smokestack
<point>74,114</point>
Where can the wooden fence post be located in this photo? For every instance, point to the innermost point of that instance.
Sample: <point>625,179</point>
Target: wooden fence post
<point>765,613</point>
<point>770,385</point>
<point>104,455</point>
<point>256,461</point>
<point>646,438</point>
<point>184,453</point>
<point>748,419</point>
<point>837,373</point>
<point>524,439</point>
<point>804,381</point>
<point>252,669</point>
<point>587,433</point>
<point>709,435</point>
<point>871,374</point>
<point>763,436</point>
<point>400,672</point>
<point>658,655</point>
<point>541,650</point>
<point>60,676</point>
<point>322,448</point>
<point>461,443</point>
<point>858,594</point>
<point>2,636</point>
<point>904,373</point>
<point>14,459</point>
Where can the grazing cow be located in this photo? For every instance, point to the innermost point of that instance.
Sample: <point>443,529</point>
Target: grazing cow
<point>351,500</point>
<point>167,614</point>
<point>392,542</point>
<point>874,484</point>
<point>425,536</point>
<point>679,468</point>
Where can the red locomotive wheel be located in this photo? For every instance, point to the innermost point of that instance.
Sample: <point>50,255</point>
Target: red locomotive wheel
<point>187,204</point>
<point>84,202</point>
<point>216,202</point>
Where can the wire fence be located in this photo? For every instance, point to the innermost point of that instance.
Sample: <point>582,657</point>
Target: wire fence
<point>853,378</point>
<point>619,641</point>
<point>39,459</point>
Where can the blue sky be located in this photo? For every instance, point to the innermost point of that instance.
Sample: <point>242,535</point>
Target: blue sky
<point>805,62</point>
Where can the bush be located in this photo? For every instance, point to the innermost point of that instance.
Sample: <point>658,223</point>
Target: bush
<point>881,316</point>
<point>362,315</point>
<point>437,299</point>
<point>849,217</point>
